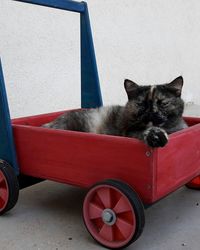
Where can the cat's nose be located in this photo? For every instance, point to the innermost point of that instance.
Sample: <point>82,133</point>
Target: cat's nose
<point>157,119</point>
<point>152,115</point>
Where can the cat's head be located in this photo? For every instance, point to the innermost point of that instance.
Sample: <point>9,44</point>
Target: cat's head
<point>156,104</point>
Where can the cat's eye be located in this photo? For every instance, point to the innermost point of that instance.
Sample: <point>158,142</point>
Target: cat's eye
<point>162,103</point>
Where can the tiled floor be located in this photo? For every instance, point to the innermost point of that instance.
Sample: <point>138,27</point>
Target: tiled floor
<point>48,217</point>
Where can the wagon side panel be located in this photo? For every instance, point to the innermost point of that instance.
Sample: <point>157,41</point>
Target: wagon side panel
<point>83,159</point>
<point>178,162</point>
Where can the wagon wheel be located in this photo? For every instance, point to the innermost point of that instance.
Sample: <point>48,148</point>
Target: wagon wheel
<point>113,214</point>
<point>194,183</point>
<point>9,187</point>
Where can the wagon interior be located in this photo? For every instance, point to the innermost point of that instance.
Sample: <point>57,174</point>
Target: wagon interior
<point>41,119</point>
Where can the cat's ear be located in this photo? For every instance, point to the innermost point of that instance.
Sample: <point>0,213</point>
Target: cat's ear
<point>176,85</point>
<point>130,88</point>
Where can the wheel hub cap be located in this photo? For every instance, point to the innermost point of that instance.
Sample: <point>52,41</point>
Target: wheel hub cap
<point>108,216</point>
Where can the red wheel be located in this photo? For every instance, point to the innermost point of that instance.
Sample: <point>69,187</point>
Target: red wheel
<point>113,214</point>
<point>4,193</point>
<point>9,188</point>
<point>195,183</point>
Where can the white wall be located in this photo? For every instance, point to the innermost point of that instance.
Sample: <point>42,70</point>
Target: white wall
<point>147,41</point>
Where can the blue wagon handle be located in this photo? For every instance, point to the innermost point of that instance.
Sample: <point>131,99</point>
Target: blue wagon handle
<point>7,148</point>
<point>59,4</point>
<point>90,87</point>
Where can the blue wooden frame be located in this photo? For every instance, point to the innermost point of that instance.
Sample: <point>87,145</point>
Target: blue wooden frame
<point>90,87</point>
<point>59,4</point>
<point>7,147</point>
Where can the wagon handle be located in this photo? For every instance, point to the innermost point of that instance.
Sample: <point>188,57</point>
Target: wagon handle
<point>59,4</point>
<point>90,87</point>
<point>7,147</point>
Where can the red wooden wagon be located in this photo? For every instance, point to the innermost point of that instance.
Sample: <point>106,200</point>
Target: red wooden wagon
<point>122,175</point>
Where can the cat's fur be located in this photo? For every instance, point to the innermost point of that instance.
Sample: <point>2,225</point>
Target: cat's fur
<point>151,113</point>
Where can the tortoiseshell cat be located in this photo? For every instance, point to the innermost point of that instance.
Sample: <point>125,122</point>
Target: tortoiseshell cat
<point>151,113</point>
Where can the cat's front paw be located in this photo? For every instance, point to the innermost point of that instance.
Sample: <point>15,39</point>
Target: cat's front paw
<point>155,137</point>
